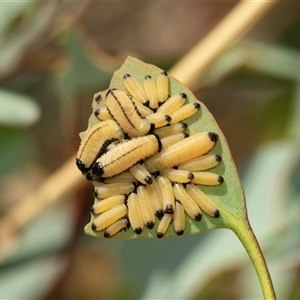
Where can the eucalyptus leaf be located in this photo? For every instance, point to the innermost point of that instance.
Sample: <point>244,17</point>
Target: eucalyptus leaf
<point>228,196</point>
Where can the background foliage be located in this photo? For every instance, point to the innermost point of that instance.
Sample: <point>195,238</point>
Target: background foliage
<point>54,56</point>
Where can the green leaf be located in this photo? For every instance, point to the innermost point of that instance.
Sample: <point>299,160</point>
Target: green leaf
<point>228,196</point>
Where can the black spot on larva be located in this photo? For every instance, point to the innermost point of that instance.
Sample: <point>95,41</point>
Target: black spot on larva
<point>126,76</point>
<point>220,179</point>
<point>97,97</point>
<point>185,135</point>
<point>106,234</point>
<point>97,112</point>
<point>179,232</point>
<point>150,224</point>
<point>216,213</point>
<point>96,193</point>
<point>164,73</point>
<point>213,136</point>
<point>148,77</point>
<point>148,179</point>
<point>138,230</point>
<point>198,217</point>
<point>92,209</point>
<point>183,95</point>
<point>159,235</point>
<point>94,226</point>
<point>81,166</point>
<point>168,118</point>
<point>184,126</point>
<point>218,158</point>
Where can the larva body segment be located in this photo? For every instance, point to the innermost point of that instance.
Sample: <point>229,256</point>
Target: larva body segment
<point>167,194</point>
<point>179,218</point>
<point>203,201</point>
<point>95,143</point>
<point>151,92</point>
<point>126,114</point>
<point>201,163</point>
<point>170,130</point>
<point>109,217</point>
<point>141,174</point>
<point>172,139</point>
<point>146,206</point>
<point>162,84</point>
<point>180,176</point>
<point>164,225</point>
<point>134,89</point>
<point>190,206</point>
<point>107,203</point>
<point>184,112</point>
<point>125,155</point>
<point>174,103</point>
<point>135,214</point>
<point>107,190</point>
<point>116,227</point>
<point>156,198</point>
<point>122,177</point>
<point>207,178</point>
<point>182,151</point>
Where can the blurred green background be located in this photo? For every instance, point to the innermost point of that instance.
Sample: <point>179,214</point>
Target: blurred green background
<point>54,56</point>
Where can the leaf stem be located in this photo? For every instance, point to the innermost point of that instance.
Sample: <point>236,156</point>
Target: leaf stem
<point>246,235</point>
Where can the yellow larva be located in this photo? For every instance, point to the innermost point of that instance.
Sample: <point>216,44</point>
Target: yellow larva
<point>201,163</point>
<point>174,175</point>
<point>173,103</point>
<point>135,214</point>
<point>95,143</point>
<point>156,198</point>
<point>142,109</point>
<point>164,225</point>
<point>107,203</point>
<point>184,112</point>
<point>207,178</point>
<point>126,114</point>
<point>190,206</point>
<point>102,114</point>
<point>172,139</point>
<point>146,206</point>
<point>106,190</point>
<point>124,155</point>
<point>141,174</point>
<point>179,218</point>
<point>162,84</point>
<point>116,227</point>
<point>123,177</point>
<point>134,89</point>
<point>203,201</point>
<point>167,194</point>
<point>170,130</point>
<point>151,91</point>
<point>109,217</point>
<point>182,151</point>
<point>159,119</point>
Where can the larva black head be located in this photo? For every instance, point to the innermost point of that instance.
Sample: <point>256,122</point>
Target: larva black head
<point>106,234</point>
<point>81,166</point>
<point>138,230</point>
<point>126,76</point>
<point>164,73</point>
<point>97,97</point>
<point>110,91</point>
<point>185,135</point>
<point>92,209</point>
<point>168,118</point>
<point>184,126</point>
<point>179,232</point>
<point>218,158</point>
<point>89,175</point>
<point>94,226</point>
<point>190,176</point>
<point>97,169</point>
<point>169,209</point>
<point>148,179</point>
<point>183,95</point>
<point>146,103</point>
<point>97,112</point>
<point>198,217</point>
<point>150,224</point>
<point>148,77</point>
<point>159,213</point>
<point>216,213</point>
<point>220,179</point>
<point>196,105</point>
<point>159,235</point>
<point>213,136</point>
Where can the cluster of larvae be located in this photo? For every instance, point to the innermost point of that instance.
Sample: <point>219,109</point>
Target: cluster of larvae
<point>145,167</point>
